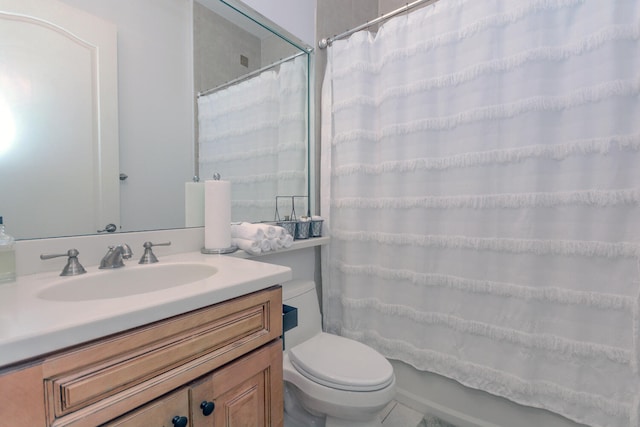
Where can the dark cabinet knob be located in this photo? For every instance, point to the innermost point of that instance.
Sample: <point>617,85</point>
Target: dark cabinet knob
<point>207,408</point>
<point>180,421</point>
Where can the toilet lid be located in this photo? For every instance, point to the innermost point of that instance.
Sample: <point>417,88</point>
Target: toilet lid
<point>341,363</point>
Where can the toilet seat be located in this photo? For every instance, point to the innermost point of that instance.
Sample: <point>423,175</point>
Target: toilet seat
<point>341,363</point>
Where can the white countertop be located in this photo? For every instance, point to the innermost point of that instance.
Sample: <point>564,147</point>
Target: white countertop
<point>31,326</point>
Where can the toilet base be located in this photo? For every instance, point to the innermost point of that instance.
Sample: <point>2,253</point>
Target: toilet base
<point>296,415</point>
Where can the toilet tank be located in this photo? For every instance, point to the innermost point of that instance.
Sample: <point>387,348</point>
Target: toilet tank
<point>302,295</point>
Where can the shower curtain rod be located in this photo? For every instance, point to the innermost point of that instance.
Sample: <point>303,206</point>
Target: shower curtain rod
<point>251,74</point>
<point>322,44</point>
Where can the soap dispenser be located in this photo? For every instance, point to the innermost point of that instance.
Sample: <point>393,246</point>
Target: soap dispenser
<point>7,256</point>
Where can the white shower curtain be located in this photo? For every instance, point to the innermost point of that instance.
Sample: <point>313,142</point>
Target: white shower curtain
<point>254,134</point>
<point>481,182</point>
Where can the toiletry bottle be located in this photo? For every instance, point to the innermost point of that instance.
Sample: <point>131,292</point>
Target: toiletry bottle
<point>7,256</point>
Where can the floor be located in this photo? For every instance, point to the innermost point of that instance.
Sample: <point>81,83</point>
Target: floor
<point>398,415</point>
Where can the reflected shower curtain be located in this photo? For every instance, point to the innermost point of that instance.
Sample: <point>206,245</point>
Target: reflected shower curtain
<point>481,180</point>
<point>254,134</point>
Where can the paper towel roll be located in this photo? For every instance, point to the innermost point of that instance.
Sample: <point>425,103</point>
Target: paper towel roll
<point>194,204</point>
<point>217,214</point>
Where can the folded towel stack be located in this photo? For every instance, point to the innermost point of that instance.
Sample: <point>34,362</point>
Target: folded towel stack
<point>259,238</point>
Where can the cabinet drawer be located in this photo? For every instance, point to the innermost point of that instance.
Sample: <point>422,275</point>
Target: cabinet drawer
<point>159,413</point>
<point>116,374</point>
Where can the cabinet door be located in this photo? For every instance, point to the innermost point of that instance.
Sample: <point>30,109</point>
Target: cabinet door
<point>245,393</point>
<point>22,397</point>
<point>161,412</point>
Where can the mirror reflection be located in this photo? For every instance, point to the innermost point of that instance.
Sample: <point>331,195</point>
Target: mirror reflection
<point>58,91</point>
<point>153,153</point>
<point>252,111</point>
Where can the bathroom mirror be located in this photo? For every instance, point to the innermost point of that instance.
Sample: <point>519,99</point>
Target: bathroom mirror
<point>252,87</point>
<point>165,57</point>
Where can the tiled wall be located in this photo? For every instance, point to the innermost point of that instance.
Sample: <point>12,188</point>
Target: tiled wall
<point>386,6</point>
<point>275,49</point>
<point>217,46</point>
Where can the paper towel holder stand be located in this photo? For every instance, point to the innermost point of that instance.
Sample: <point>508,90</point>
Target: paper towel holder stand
<point>229,250</point>
<point>216,251</point>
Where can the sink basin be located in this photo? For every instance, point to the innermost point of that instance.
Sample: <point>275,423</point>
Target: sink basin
<point>126,281</point>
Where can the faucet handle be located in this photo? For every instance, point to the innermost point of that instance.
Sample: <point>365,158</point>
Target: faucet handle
<point>73,267</point>
<point>149,257</point>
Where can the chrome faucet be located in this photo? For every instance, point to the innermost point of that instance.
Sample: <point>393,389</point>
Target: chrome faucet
<point>115,255</point>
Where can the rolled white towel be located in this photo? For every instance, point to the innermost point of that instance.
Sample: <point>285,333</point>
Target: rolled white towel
<point>280,231</point>
<point>286,241</point>
<point>275,244</point>
<point>270,231</point>
<point>249,246</point>
<point>248,231</point>
<point>265,245</point>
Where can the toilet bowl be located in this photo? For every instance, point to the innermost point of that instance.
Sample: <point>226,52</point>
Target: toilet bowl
<point>330,380</point>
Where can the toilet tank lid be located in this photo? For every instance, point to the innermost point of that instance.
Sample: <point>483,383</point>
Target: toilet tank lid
<point>341,363</point>
<point>293,288</point>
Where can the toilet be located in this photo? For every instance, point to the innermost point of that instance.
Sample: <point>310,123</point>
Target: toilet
<point>330,380</point>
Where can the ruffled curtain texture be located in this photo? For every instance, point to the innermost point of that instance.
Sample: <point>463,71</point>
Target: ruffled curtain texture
<point>254,134</point>
<point>481,181</point>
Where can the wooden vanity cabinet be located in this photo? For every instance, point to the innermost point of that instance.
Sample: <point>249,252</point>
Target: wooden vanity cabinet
<point>228,354</point>
<point>241,394</point>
